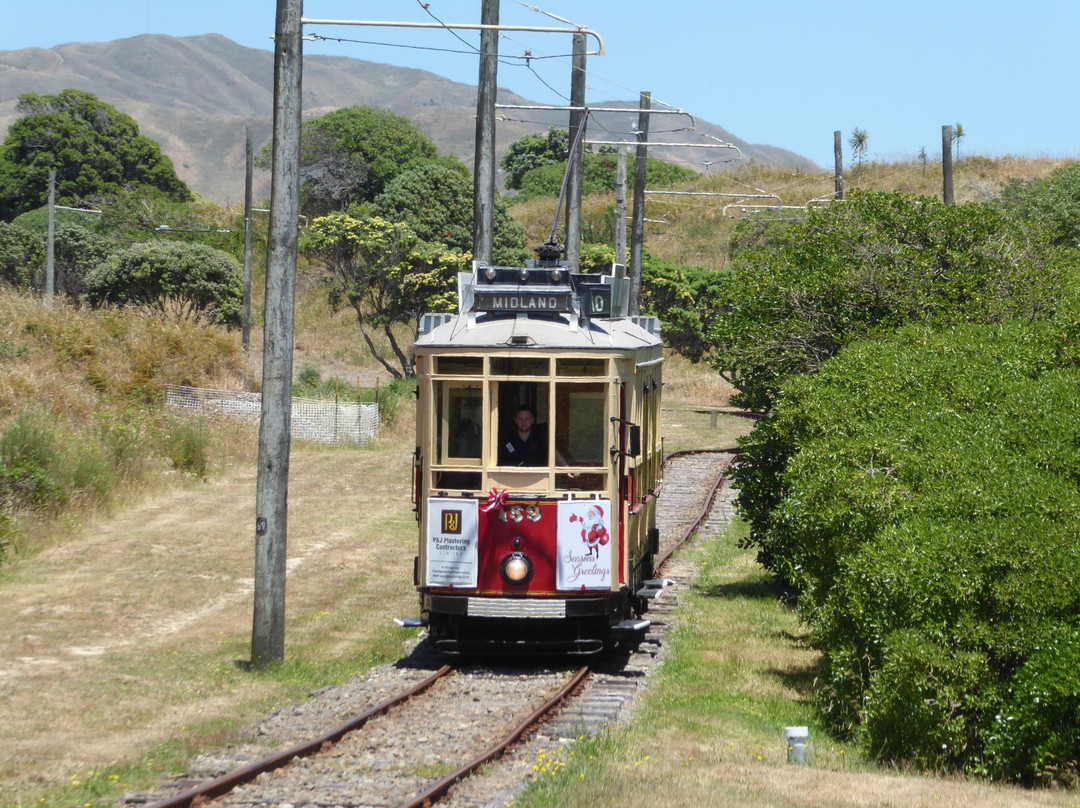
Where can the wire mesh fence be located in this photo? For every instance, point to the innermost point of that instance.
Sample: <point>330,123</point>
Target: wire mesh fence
<point>323,421</point>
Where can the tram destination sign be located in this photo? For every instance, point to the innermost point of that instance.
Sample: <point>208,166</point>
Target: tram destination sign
<point>528,302</point>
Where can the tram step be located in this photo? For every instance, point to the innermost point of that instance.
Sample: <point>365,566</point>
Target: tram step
<point>631,626</point>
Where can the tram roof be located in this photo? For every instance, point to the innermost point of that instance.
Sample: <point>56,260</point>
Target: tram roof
<point>542,332</point>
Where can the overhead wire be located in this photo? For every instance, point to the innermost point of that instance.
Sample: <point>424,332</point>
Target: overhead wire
<point>526,59</point>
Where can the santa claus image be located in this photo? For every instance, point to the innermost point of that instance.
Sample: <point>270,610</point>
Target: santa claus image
<point>594,531</point>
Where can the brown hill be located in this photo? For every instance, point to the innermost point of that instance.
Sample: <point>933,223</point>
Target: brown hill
<point>194,95</point>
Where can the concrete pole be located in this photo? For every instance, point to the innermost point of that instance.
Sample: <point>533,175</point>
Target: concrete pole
<point>272,480</point>
<point>946,164</point>
<point>838,161</point>
<point>576,169</point>
<point>637,230</point>
<point>484,165</point>
<point>249,170</point>
<point>50,242</point>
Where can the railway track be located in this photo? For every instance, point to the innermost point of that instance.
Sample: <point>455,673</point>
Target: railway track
<point>419,727</point>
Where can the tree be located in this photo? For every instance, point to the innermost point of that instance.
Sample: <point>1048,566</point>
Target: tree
<point>189,281</point>
<point>94,149</point>
<point>534,151</point>
<point>957,133</point>
<point>434,198</point>
<point>600,176</point>
<point>858,143</point>
<point>349,155</point>
<point>388,275</point>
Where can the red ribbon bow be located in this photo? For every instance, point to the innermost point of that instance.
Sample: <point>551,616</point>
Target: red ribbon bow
<point>496,499</point>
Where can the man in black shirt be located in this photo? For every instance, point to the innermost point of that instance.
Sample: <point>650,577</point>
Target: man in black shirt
<point>527,442</point>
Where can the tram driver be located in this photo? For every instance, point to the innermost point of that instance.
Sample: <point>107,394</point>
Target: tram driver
<point>526,442</point>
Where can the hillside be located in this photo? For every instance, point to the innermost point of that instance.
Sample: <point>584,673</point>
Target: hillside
<point>194,95</point>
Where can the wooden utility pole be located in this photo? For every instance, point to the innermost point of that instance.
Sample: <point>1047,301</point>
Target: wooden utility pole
<point>272,481</point>
<point>838,161</point>
<point>249,170</point>
<point>576,168</point>
<point>637,230</point>
<point>484,161</point>
<point>50,241</point>
<point>620,207</point>
<point>946,164</point>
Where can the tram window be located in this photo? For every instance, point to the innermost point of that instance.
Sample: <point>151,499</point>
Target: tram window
<point>457,480</point>
<point>459,423</point>
<point>581,367</point>
<point>519,366</point>
<point>459,365</point>
<point>580,424</point>
<point>523,423</point>
<point>580,482</point>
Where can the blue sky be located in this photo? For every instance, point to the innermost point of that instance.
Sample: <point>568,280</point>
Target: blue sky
<point>786,72</point>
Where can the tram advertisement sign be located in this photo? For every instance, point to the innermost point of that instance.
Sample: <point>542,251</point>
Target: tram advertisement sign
<point>451,542</point>
<point>584,545</point>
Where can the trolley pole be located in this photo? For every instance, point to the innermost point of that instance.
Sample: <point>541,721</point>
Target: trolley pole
<point>484,163</point>
<point>576,174</point>
<point>637,231</point>
<point>272,481</point>
<point>620,207</point>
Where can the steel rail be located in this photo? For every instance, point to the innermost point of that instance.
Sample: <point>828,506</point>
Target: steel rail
<point>709,501</point>
<point>227,782</point>
<point>440,789</point>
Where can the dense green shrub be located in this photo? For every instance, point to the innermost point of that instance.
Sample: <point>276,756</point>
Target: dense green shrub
<point>190,281</point>
<point>921,493</point>
<point>1034,735</point>
<point>873,263</point>
<point>599,176</point>
<point>22,255</point>
<point>685,299</point>
<point>1052,202</point>
<point>434,198</point>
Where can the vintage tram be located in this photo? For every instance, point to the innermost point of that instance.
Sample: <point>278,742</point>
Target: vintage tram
<point>538,463</point>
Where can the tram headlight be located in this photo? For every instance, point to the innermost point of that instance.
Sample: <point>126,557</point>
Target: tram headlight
<point>517,569</point>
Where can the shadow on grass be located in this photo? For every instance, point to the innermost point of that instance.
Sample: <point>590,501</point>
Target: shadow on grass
<point>802,679</point>
<point>763,589</point>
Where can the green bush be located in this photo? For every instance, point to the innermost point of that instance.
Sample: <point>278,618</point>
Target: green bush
<point>599,176</point>
<point>190,281</point>
<point>1036,735</point>
<point>874,263</point>
<point>1052,202</point>
<point>921,493</point>
<point>22,255</point>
